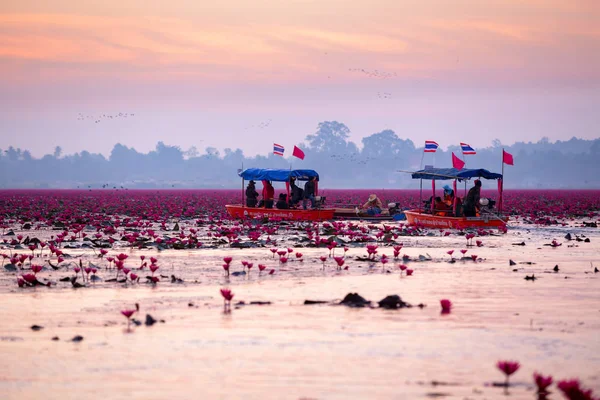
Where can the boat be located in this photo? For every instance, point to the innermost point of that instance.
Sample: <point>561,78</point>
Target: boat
<point>319,213</point>
<point>428,217</point>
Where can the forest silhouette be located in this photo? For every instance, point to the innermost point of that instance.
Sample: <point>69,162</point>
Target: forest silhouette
<point>341,163</point>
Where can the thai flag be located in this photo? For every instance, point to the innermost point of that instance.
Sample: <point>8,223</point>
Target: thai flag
<point>466,149</point>
<point>278,149</point>
<point>431,146</point>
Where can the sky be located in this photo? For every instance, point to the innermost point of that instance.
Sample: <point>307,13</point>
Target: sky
<point>247,73</point>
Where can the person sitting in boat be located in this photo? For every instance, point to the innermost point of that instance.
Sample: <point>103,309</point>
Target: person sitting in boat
<point>471,203</point>
<point>268,194</point>
<point>373,205</point>
<point>282,203</point>
<point>309,192</point>
<point>440,207</point>
<point>296,192</point>
<point>448,195</point>
<point>251,195</point>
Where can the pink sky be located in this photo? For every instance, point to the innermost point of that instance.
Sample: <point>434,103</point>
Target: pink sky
<point>202,74</point>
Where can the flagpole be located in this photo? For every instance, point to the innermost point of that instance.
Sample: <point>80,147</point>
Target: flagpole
<point>502,186</point>
<point>463,154</point>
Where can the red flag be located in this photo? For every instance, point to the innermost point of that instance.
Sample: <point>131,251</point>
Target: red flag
<point>507,158</point>
<point>298,153</point>
<point>457,162</point>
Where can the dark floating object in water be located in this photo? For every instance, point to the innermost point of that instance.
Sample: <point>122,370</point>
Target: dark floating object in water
<point>150,320</point>
<point>392,302</point>
<point>311,302</point>
<point>519,244</point>
<point>136,322</point>
<point>555,269</point>
<point>260,303</point>
<point>175,279</point>
<point>590,224</point>
<point>77,338</point>
<point>355,300</point>
<point>65,279</point>
<point>55,338</point>
<point>587,240</point>
<point>511,263</point>
<point>75,283</point>
<point>530,278</point>
<point>190,304</point>
<point>36,327</point>
<point>10,267</point>
<point>568,236</point>
<point>238,273</point>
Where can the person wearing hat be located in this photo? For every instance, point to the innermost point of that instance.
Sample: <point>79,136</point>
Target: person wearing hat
<point>251,195</point>
<point>448,195</point>
<point>373,205</point>
<point>297,193</point>
<point>471,203</point>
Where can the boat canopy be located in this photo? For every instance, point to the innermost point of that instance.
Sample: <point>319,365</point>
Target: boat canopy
<point>277,175</point>
<point>453,173</point>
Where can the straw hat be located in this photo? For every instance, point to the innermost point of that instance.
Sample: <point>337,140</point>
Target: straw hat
<point>372,197</point>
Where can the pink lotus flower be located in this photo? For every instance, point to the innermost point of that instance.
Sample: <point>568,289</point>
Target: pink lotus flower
<point>409,272</point>
<point>122,257</point>
<point>227,260</point>
<point>323,259</point>
<point>36,268</point>
<point>129,313</point>
<point>273,251</point>
<point>153,260</point>
<point>463,251</point>
<point>446,306</point>
<point>479,243</point>
<point>133,276</point>
<point>249,266</point>
<point>261,267</point>
<point>508,368</point>
<point>127,270</point>
<point>20,282</point>
<point>271,272</point>
<point>573,391</point>
<point>542,382</point>
<point>76,269</point>
<point>227,294</point>
<point>283,260</point>
<point>153,267</point>
<point>450,252</point>
<point>474,257</point>
<point>30,278</point>
<point>298,255</point>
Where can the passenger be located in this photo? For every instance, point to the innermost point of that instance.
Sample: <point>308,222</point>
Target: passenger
<point>309,192</point>
<point>448,195</point>
<point>268,194</point>
<point>373,205</point>
<point>282,203</point>
<point>441,208</point>
<point>251,195</point>
<point>297,193</point>
<point>471,203</point>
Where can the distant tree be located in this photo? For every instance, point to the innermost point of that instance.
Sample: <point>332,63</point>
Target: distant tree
<point>57,152</point>
<point>191,152</point>
<point>330,135</point>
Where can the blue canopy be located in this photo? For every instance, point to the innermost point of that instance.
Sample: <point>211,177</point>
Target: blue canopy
<point>277,175</point>
<point>453,173</point>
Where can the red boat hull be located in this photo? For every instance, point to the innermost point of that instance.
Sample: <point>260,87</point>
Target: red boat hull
<point>416,217</point>
<point>238,211</point>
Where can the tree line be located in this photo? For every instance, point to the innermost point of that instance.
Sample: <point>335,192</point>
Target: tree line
<point>340,162</point>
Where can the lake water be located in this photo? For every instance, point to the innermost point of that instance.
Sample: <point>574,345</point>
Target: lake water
<point>288,350</point>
